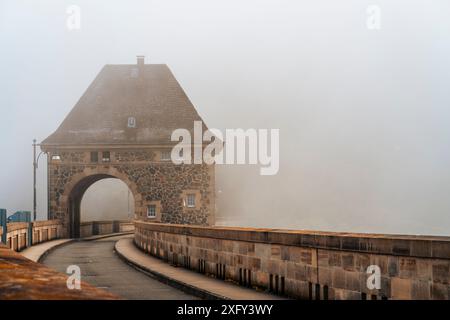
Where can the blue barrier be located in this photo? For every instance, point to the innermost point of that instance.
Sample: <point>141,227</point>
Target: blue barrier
<point>3,222</point>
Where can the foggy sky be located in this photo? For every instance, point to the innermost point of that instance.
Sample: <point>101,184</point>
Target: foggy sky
<point>363,114</point>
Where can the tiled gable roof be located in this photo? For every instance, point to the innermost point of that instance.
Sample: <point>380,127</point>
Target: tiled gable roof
<point>149,93</point>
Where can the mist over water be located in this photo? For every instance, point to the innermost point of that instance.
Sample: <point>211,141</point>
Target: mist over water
<point>363,115</point>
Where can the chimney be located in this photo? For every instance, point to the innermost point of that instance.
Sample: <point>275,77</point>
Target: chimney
<point>140,61</point>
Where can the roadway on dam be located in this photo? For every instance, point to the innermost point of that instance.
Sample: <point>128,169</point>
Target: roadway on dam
<point>101,267</point>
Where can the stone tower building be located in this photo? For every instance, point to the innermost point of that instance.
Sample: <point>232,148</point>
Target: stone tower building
<point>121,128</point>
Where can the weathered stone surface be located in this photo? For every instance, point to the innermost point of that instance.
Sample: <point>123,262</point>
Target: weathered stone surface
<point>151,182</point>
<point>401,289</point>
<point>441,272</point>
<point>21,278</point>
<point>420,290</point>
<point>305,268</point>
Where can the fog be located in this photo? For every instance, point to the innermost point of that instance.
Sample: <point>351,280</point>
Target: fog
<point>107,199</point>
<point>363,114</point>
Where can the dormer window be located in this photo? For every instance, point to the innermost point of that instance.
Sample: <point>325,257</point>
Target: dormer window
<point>131,122</point>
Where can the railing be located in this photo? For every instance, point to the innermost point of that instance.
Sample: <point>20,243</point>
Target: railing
<point>20,235</point>
<point>92,228</point>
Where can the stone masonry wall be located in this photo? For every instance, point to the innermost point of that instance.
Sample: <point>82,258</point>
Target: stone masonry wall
<point>306,265</point>
<point>151,180</point>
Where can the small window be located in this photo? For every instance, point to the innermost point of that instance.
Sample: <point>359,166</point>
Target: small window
<point>191,200</point>
<point>151,211</point>
<point>165,155</point>
<point>106,157</point>
<point>131,122</point>
<point>56,157</point>
<point>94,156</point>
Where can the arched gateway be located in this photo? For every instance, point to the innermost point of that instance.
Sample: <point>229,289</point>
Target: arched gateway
<point>121,128</point>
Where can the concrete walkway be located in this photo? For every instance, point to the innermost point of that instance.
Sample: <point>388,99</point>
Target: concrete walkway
<point>102,268</point>
<point>35,253</point>
<point>184,279</point>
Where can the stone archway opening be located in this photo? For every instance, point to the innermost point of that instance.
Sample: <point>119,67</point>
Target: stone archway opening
<point>107,200</point>
<point>78,211</point>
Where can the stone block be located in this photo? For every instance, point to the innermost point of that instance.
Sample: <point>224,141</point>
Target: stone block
<point>441,272</point>
<point>381,261</point>
<point>290,270</point>
<point>262,250</point>
<point>353,281</point>
<point>226,245</point>
<point>421,290</point>
<point>311,273</point>
<point>284,253</point>
<point>440,249</point>
<point>421,248</point>
<point>401,289</point>
<point>385,287</point>
<point>295,254</point>
<point>303,290</point>
<point>255,263</point>
<point>407,267</point>
<point>393,266</point>
<point>307,257</point>
<point>350,243</point>
<point>262,279</point>
<point>308,240</point>
<point>333,242</point>
<point>380,245</point>
<point>401,247</point>
<point>274,266</point>
<point>335,258</point>
<point>338,294</point>
<point>338,277</point>
<point>424,269</point>
<point>439,291</point>
<point>290,288</point>
<point>351,295</point>
<point>275,252</point>
<point>323,257</point>
<point>348,263</point>
<point>326,276</point>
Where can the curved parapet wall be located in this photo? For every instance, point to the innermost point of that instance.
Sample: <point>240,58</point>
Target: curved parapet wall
<point>307,264</point>
<point>92,228</point>
<point>20,235</point>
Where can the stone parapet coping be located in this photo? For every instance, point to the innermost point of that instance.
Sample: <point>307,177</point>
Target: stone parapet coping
<point>12,226</point>
<point>46,223</point>
<point>402,245</point>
